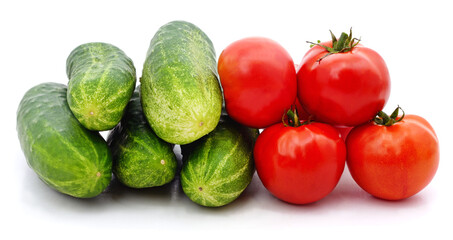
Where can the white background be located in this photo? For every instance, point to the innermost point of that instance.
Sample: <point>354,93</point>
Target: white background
<point>413,37</point>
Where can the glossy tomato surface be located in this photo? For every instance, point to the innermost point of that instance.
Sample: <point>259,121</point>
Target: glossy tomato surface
<point>393,162</point>
<point>302,114</point>
<point>302,164</point>
<point>344,131</point>
<point>258,80</point>
<point>343,89</point>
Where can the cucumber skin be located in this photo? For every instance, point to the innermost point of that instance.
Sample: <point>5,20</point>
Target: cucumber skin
<point>181,94</point>
<point>101,82</point>
<point>65,155</point>
<point>137,151</point>
<point>221,163</point>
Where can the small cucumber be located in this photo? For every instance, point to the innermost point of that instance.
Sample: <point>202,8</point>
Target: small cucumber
<point>181,94</point>
<point>140,158</point>
<point>64,154</point>
<point>101,82</point>
<point>218,167</point>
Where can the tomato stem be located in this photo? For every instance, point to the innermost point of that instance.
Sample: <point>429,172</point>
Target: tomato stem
<point>291,119</point>
<point>383,119</point>
<point>344,44</point>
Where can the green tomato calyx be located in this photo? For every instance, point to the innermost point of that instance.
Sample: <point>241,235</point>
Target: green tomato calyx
<point>291,119</point>
<point>385,120</point>
<point>344,44</point>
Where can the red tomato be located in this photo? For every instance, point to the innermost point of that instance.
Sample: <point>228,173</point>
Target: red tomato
<point>300,164</point>
<point>258,80</point>
<point>393,162</point>
<point>345,88</point>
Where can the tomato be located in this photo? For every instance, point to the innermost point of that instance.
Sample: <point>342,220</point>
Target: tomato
<point>258,80</point>
<point>393,162</point>
<point>300,164</point>
<point>346,88</point>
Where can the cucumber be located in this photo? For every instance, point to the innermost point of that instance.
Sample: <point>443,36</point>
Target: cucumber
<point>180,90</point>
<point>65,155</point>
<point>140,158</point>
<point>218,167</point>
<point>101,82</point>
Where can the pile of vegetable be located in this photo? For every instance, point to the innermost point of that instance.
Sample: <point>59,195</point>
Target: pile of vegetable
<point>314,118</point>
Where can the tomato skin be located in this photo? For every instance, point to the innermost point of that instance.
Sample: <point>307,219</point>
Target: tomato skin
<point>302,164</point>
<point>303,115</point>
<point>343,89</point>
<point>258,80</point>
<point>344,131</point>
<point>393,162</point>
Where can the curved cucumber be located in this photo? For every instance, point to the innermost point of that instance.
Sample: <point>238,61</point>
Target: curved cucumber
<point>218,167</point>
<point>140,158</point>
<point>65,155</point>
<point>181,94</point>
<point>101,82</point>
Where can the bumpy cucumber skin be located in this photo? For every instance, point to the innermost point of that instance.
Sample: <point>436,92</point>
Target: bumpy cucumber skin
<point>140,158</point>
<point>65,155</point>
<point>181,94</point>
<point>101,82</point>
<point>218,167</point>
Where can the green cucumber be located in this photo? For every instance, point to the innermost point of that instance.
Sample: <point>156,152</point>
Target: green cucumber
<point>218,167</point>
<point>140,158</point>
<point>181,94</point>
<point>101,82</point>
<point>65,155</point>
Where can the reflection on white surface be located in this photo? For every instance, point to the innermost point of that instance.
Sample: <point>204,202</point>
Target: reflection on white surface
<point>166,210</point>
<point>170,200</point>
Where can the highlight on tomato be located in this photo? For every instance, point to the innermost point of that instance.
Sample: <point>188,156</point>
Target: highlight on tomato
<point>259,81</point>
<point>342,82</point>
<point>299,162</point>
<point>393,157</point>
